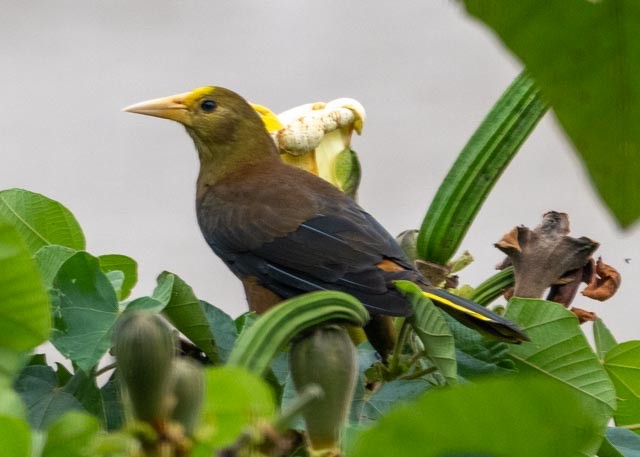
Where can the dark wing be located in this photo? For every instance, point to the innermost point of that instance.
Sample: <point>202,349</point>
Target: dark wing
<point>305,237</point>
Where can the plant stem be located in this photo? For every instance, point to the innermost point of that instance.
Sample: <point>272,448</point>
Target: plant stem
<point>309,394</point>
<point>417,374</point>
<point>104,369</point>
<point>397,351</point>
<point>631,426</point>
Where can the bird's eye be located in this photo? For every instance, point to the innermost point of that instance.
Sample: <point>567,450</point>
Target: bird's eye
<point>208,106</point>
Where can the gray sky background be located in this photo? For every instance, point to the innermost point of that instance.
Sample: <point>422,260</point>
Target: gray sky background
<point>425,72</point>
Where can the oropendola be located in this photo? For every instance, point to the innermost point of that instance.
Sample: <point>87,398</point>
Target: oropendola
<point>284,231</point>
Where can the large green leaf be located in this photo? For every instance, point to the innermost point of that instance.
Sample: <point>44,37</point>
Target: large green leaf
<point>88,309</point>
<point>623,365</point>
<point>15,437</point>
<point>431,327</point>
<point>586,57</point>
<point>390,395</point>
<point>24,305</point>
<point>478,356</point>
<point>184,311</point>
<point>223,328</point>
<point>49,259</point>
<point>125,264</point>
<point>71,435</point>
<point>559,351</point>
<point>234,399</point>
<point>38,387</point>
<point>40,220</point>
<point>508,416</point>
<point>477,169</point>
<point>620,443</point>
<point>603,338</point>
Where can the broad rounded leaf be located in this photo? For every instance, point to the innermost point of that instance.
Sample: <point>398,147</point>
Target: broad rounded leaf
<point>71,436</point>
<point>88,309</point>
<point>559,351</point>
<point>125,264</point>
<point>25,318</point>
<point>40,220</point>
<point>234,399</point>
<point>585,55</point>
<point>623,365</point>
<point>184,311</point>
<point>38,387</point>
<point>603,338</point>
<point>512,415</point>
<point>15,437</point>
<point>49,259</point>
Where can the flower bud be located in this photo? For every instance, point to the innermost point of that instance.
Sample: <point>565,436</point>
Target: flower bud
<point>325,357</point>
<point>188,392</point>
<point>143,347</point>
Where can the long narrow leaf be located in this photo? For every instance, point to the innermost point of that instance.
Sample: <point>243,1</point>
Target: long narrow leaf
<point>478,168</point>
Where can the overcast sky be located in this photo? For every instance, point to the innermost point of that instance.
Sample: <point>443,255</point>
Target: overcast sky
<point>425,72</point>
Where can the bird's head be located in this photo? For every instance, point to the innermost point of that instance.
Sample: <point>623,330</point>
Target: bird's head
<point>225,128</point>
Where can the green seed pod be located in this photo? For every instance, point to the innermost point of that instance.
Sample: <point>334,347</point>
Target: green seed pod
<point>188,392</point>
<point>143,346</point>
<point>325,357</point>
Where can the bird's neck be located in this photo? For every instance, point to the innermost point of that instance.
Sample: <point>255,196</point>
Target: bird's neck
<point>219,159</point>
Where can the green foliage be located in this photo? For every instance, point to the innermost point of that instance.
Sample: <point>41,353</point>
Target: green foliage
<point>126,265</point>
<point>603,338</point>
<point>87,310</point>
<point>620,443</point>
<point>586,56</point>
<point>478,168</point>
<point>183,310</point>
<point>234,398</point>
<point>622,362</point>
<point>72,435</point>
<point>24,305</point>
<point>431,327</point>
<point>15,437</point>
<point>561,353</point>
<point>40,220</point>
<point>492,288</point>
<point>479,419</point>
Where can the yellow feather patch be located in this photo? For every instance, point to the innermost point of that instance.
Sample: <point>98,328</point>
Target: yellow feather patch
<point>270,120</point>
<point>456,306</point>
<point>197,94</point>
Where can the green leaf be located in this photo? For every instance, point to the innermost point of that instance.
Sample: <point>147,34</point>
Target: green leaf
<point>88,308</point>
<point>83,387</point>
<point>145,304</point>
<point>71,435</point>
<point>124,264</point>
<point>431,327</point>
<point>620,442</point>
<point>478,356</point>
<point>15,437</point>
<point>184,311</point>
<point>585,55</point>
<point>623,365</point>
<point>40,220</point>
<point>223,328</point>
<point>559,351</point>
<point>234,399</point>
<point>389,395</point>
<point>603,338</point>
<point>116,278</point>
<point>112,403</point>
<point>11,362</point>
<point>11,404</point>
<point>49,259</point>
<point>493,287</point>
<point>45,402</point>
<point>477,169</point>
<point>25,319</point>
<point>478,419</point>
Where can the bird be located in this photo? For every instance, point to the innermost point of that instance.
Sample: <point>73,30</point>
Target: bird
<point>284,231</point>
